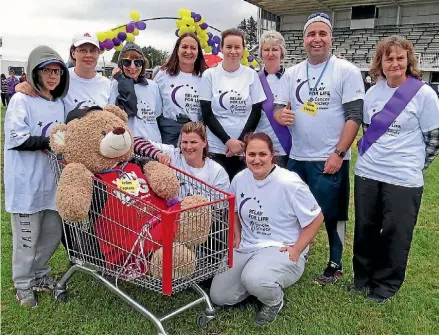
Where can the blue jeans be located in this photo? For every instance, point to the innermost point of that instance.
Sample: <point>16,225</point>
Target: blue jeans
<point>331,193</point>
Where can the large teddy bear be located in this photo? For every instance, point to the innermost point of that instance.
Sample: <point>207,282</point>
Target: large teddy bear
<point>101,186</point>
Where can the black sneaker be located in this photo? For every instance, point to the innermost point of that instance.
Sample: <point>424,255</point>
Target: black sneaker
<point>377,298</point>
<point>267,314</point>
<point>27,298</point>
<point>330,275</point>
<point>45,283</point>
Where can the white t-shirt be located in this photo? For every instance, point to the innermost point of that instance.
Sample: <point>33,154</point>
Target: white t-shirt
<point>264,125</point>
<point>149,108</point>
<point>315,136</point>
<point>179,94</point>
<point>272,211</point>
<point>398,156</point>
<point>94,92</point>
<point>211,173</point>
<point>29,182</point>
<point>232,95</point>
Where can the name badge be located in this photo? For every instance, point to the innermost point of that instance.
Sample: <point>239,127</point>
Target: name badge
<point>129,186</point>
<point>310,108</point>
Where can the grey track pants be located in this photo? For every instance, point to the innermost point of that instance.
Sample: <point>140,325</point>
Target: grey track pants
<point>35,239</point>
<point>263,273</point>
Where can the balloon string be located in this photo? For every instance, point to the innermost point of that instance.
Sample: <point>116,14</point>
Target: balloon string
<point>165,18</point>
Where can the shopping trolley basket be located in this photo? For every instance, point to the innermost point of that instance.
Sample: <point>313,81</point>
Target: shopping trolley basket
<point>120,237</point>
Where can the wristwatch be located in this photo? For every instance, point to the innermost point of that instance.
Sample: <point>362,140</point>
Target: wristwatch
<point>340,153</point>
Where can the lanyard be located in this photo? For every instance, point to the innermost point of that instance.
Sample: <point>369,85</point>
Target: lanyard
<point>320,77</point>
<point>120,170</point>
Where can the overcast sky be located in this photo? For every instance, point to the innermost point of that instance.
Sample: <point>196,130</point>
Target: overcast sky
<point>25,24</point>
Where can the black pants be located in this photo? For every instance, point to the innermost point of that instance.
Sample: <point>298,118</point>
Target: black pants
<point>5,99</point>
<point>385,217</point>
<point>232,165</point>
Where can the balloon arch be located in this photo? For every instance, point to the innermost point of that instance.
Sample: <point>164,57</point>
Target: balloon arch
<point>187,22</point>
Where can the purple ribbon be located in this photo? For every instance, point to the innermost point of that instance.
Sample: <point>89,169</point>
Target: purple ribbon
<point>382,120</point>
<point>282,132</point>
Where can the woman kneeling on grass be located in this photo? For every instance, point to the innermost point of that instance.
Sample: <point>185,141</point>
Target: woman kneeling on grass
<point>276,219</point>
<point>29,184</point>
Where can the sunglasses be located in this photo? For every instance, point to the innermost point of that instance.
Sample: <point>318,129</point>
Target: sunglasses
<point>48,71</point>
<point>324,15</point>
<point>137,62</point>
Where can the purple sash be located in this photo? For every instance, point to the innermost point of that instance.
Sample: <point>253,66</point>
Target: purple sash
<point>282,132</point>
<point>383,119</point>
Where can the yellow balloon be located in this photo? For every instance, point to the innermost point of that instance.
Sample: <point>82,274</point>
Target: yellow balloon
<point>101,36</point>
<point>203,45</point>
<point>180,32</point>
<point>184,12</point>
<point>135,15</point>
<point>184,29</point>
<point>136,32</point>
<point>130,37</point>
<point>202,35</point>
<point>191,29</point>
<point>202,20</point>
<point>178,23</point>
<point>208,49</point>
<point>110,34</point>
<point>188,20</point>
<point>119,47</point>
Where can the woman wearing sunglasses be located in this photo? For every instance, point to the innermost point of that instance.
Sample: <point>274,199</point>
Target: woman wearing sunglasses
<point>136,95</point>
<point>179,81</point>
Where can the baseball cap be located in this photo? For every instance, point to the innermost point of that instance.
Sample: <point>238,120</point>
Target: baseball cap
<point>84,38</point>
<point>43,64</point>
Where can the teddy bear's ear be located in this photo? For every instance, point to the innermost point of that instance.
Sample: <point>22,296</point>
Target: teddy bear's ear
<point>117,111</point>
<point>57,138</point>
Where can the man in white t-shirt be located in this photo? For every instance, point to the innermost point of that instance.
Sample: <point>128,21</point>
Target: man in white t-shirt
<point>321,100</point>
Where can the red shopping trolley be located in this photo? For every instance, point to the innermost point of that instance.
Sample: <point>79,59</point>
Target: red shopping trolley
<point>105,247</point>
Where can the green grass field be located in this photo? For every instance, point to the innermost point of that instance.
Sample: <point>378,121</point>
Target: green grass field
<point>309,309</point>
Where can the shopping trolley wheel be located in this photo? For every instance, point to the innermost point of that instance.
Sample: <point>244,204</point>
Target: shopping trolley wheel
<point>203,320</point>
<point>60,296</point>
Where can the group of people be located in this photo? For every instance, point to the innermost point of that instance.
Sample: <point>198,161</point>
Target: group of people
<point>8,86</point>
<point>279,140</point>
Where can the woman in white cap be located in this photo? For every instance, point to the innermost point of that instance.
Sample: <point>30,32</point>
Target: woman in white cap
<point>137,96</point>
<point>86,86</point>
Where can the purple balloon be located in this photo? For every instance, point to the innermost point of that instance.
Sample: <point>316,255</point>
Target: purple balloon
<point>122,36</point>
<point>203,25</point>
<point>140,25</point>
<point>216,39</point>
<point>210,42</point>
<point>250,58</point>
<point>193,14</point>
<point>116,41</point>
<point>130,27</point>
<point>215,51</point>
<point>102,46</point>
<point>197,17</point>
<point>210,34</point>
<point>108,44</point>
<point>176,32</point>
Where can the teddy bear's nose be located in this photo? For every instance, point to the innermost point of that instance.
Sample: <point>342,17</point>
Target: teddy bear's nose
<point>118,131</point>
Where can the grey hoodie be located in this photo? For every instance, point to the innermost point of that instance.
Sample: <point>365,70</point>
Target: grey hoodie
<point>40,55</point>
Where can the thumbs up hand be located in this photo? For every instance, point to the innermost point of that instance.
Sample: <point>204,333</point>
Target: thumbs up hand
<point>285,116</point>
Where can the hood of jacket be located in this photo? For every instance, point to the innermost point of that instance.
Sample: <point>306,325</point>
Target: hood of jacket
<point>40,55</point>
